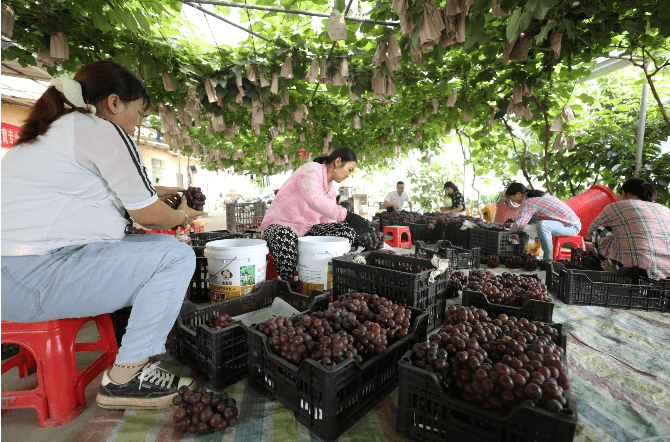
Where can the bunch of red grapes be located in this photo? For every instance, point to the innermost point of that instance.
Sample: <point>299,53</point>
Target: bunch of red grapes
<point>507,289</point>
<point>457,280</point>
<point>217,322</point>
<point>372,239</point>
<point>493,261</point>
<point>357,327</point>
<point>194,197</point>
<point>202,412</point>
<point>497,364</point>
<point>528,262</point>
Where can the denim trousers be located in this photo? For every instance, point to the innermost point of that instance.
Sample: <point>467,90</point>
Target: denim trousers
<point>149,272</point>
<point>548,229</point>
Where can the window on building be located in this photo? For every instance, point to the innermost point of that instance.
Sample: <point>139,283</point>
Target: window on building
<point>157,166</point>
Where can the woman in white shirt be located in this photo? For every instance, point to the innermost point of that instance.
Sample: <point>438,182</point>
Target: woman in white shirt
<point>69,187</point>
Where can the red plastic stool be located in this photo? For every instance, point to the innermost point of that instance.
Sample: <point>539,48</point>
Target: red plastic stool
<point>559,241</point>
<point>50,348</point>
<point>397,232</point>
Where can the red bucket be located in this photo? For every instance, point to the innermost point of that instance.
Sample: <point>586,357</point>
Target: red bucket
<point>589,204</point>
<point>504,212</point>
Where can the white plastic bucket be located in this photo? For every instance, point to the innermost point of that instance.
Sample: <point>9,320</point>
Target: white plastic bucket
<point>235,266</point>
<point>315,266</point>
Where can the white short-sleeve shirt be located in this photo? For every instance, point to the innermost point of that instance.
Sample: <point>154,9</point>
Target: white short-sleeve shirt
<point>400,200</point>
<point>71,186</point>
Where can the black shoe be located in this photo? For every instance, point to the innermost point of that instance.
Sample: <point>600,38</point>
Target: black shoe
<point>151,388</point>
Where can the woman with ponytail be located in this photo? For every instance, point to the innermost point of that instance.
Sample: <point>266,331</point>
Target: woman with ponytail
<point>69,188</point>
<point>634,231</point>
<point>307,198</point>
<point>552,216</point>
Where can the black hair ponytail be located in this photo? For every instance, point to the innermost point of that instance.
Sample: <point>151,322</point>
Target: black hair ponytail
<point>344,153</point>
<point>640,188</point>
<point>515,188</point>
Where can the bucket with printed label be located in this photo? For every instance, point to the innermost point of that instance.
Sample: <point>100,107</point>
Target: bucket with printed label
<point>315,266</point>
<point>235,267</point>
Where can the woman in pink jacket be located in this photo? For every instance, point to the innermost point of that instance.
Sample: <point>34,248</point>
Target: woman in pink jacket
<point>305,199</point>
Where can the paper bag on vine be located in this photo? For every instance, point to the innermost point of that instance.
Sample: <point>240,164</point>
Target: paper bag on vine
<point>555,42</point>
<point>390,87</point>
<point>302,137</point>
<point>430,28</point>
<point>570,142</point>
<point>367,108</point>
<point>337,27</point>
<point>287,68</point>
<point>352,94</point>
<point>313,72</point>
<point>380,53</point>
<point>498,11</point>
<point>59,49</point>
<point>557,124</point>
<point>451,99</point>
<point>264,80</point>
<point>417,137</point>
<point>251,74</point>
<point>465,115</point>
<point>357,122</point>
<point>7,21</point>
<point>436,104</point>
<point>167,83</point>
<point>379,85</point>
<point>558,142</point>
<point>44,58</point>
<point>274,89</point>
<point>211,93</point>
<point>415,52</point>
<point>399,6</point>
<point>284,98</point>
<point>568,115</point>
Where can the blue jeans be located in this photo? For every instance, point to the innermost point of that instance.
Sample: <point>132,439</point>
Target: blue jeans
<point>149,272</point>
<point>548,229</point>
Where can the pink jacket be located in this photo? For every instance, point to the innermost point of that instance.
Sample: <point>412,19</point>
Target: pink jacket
<point>304,199</point>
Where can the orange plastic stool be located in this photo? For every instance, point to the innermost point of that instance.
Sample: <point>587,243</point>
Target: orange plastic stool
<point>50,348</point>
<point>559,241</point>
<point>397,232</point>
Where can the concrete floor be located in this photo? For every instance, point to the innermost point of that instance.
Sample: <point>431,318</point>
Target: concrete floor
<point>21,425</point>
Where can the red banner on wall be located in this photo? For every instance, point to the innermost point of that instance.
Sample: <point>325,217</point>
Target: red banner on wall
<point>10,134</point>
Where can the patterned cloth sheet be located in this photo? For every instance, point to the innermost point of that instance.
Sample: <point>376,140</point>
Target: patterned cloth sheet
<point>619,363</point>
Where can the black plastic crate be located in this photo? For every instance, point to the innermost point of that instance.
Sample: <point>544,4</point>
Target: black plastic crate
<point>202,238</point>
<point>398,280</point>
<point>428,414</point>
<point>421,232</point>
<point>533,309</point>
<point>580,261</point>
<point>10,350</point>
<point>623,289</point>
<point>329,399</point>
<point>245,216</point>
<point>220,355</point>
<point>456,236</point>
<point>496,242</point>
<point>458,257</point>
